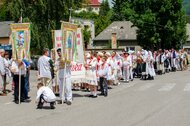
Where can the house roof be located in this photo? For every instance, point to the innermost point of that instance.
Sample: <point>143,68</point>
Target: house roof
<point>124,31</point>
<point>95,3</point>
<point>5,28</point>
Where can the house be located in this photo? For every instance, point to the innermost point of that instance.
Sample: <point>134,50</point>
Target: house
<point>120,34</point>
<point>94,6</point>
<point>5,32</point>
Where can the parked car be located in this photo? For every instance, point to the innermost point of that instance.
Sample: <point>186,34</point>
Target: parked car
<point>34,62</point>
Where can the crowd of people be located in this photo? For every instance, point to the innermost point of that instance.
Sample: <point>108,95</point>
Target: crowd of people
<point>10,70</point>
<point>103,70</point>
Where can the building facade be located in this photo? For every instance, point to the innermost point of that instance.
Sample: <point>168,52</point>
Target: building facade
<point>93,6</point>
<point>122,32</point>
<point>5,31</point>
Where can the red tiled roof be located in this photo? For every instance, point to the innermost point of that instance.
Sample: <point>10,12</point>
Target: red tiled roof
<point>94,2</point>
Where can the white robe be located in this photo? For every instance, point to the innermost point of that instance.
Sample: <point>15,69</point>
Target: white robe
<point>110,69</point>
<point>91,72</point>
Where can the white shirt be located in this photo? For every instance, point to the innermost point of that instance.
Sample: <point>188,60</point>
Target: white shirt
<point>2,66</point>
<point>15,68</point>
<point>61,71</point>
<point>127,63</point>
<point>44,67</point>
<point>48,94</point>
<point>103,70</point>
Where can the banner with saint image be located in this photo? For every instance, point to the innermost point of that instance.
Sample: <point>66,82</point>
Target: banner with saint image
<point>20,38</point>
<point>69,32</point>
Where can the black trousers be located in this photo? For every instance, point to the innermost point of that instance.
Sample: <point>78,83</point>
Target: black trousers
<point>42,100</point>
<point>103,86</point>
<point>16,89</point>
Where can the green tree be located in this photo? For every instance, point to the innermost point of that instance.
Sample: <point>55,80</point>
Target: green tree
<point>45,16</point>
<point>104,8</point>
<point>160,26</point>
<point>118,6</point>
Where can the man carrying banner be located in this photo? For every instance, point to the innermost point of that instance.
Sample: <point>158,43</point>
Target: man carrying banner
<point>15,68</point>
<point>64,79</point>
<point>44,68</point>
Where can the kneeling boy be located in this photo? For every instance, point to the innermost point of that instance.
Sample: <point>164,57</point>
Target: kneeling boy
<point>45,94</point>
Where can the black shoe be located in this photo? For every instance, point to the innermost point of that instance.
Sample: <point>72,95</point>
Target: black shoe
<point>52,105</point>
<point>28,97</point>
<point>26,100</point>
<point>68,102</point>
<point>16,102</point>
<point>40,106</point>
<point>106,94</point>
<point>101,94</point>
<point>90,96</point>
<point>109,87</point>
<point>94,96</point>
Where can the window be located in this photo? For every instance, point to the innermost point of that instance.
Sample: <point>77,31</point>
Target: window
<point>130,48</point>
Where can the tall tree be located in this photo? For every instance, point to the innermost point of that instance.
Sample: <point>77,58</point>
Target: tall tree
<point>104,8</point>
<point>118,6</point>
<point>45,16</point>
<point>160,26</point>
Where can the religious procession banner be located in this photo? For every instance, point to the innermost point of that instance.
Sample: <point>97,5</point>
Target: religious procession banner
<point>20,38</point>
<point>69,32</point>
<point>78,69</point>
<point>58,42</point>
<point>72,46</point>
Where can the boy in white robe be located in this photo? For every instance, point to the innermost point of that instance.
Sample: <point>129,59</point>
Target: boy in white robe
<point>64,74</point>
<point>45,95</point>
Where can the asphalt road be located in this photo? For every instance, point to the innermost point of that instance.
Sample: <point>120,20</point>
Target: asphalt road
<point>164,101</point>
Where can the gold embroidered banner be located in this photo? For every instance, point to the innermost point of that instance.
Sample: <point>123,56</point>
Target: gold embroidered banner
<point>69,35</point>
<point>20,39</point>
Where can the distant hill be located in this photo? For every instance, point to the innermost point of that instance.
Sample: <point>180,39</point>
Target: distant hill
<point>186,4</point>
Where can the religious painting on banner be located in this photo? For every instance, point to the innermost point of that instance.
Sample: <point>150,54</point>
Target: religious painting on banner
<point>20,39</point>
<point>69,32</point>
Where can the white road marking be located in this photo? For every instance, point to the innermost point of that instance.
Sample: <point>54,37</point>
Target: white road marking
<point>167,87</point>
<point>187,87</point>
<point>145,87</point>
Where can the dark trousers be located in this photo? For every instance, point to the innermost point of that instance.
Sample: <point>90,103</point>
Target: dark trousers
<point>103,86</point>
<point>27,85</point>
<point>42,100</point>
<point>16,88</point>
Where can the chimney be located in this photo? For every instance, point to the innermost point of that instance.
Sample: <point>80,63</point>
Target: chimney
<point>114,41</point>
